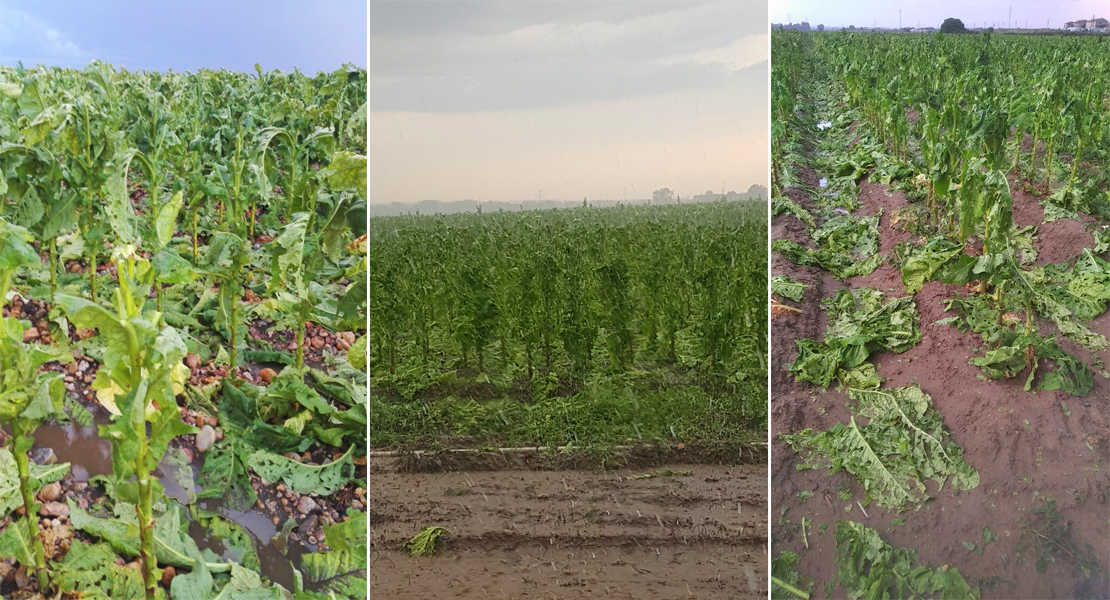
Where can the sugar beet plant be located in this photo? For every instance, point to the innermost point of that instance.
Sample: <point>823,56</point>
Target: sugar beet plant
<point>175,230</point>
<point>27,399</point>
<point>979,100</point>
<point>140,363</point>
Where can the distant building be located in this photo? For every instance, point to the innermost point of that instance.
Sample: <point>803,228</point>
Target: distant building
<point>1096,25</point>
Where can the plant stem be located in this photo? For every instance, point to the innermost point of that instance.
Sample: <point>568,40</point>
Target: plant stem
<point>146,518</point>
<point>143,510</point>
<point>21,462</point>
<point>235,331</point>
<point>53,267</point>
<point>92,275</point>
<point>300,345</point>
<point>786,586</point>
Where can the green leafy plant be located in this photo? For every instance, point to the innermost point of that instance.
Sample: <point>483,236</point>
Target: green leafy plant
<point>903,443</point>
<point>140,363</point>
<point>859,324</point>
<point>786,583</point>
<point>868,567</point>
<point>424,543</point>
<point>28,398</point>
<point>786,287</point>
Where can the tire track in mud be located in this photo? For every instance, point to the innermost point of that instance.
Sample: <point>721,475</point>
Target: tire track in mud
<point>573,534</point>
<point>1023,444</point>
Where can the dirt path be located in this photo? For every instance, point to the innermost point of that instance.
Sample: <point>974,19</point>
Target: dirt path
<point>572,534</point>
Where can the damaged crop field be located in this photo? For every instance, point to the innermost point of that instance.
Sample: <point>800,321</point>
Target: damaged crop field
<point>569,403</point>
<point>182,371</point>
<point>940,395</point>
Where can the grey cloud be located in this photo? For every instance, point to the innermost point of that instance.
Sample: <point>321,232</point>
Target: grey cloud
<point>476,56</point>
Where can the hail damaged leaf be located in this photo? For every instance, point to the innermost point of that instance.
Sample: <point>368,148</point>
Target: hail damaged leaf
<point>356,356</point>
<point>13,90</point>
<point>172,544</point>
<point>15,251</point>
<point>9,480</point>
<point>341,572</point>
<point>868,567</point>
<point>236,540</point>
<point>346,171</point>
<point>840,265</point>
<point>118,203</point>
<point>297,422</point>
<point>196,585</point>
<point>903,443</point>
<point>786,205</point>
<point>288,390</point>
<point>784,570</point>
<point>90,572</point>
<point>243,422</point>
<point>45,122</point>
<point>224,474</point>
<point>786,287</point>
<point>859,325</point>
<point>167,218</point>
<point>175,465</point>
<point>77,412</point>
<point>171,268</point>
<point>920,263</point>
<point>287,255</point>
<point>1020,348</point>
<point>301,478</point>
<point>15,544</point>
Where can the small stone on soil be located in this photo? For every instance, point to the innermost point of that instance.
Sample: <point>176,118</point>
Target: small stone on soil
<point>50,492</point>
<point>267,375</point>
<point>44,456</point>
<point>206,438</point>
<point>54,509</point>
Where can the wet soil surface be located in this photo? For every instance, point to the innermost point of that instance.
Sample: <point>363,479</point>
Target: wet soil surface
<point>1026,447</point>
<point>89,455</point>
<point>572,534</point>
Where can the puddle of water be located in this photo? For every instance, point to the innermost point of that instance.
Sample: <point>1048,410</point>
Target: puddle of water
<point>823,182</point>
<point>823,125</point>
<point>276,566</point>
<point>87,453</point>
<point>90,455</point>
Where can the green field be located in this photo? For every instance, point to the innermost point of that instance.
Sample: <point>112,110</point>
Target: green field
<point>589,327</point>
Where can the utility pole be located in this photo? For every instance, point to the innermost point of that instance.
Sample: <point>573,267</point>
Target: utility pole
<point>899,18</point>
<point>1009,17</point>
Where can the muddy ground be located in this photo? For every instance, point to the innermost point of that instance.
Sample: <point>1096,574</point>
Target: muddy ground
<point>559,534</point>
<point>1027,447</point>
<point>1024,445</point>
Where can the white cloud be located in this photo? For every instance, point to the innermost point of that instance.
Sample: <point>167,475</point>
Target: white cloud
<point>27,37</point>
<point>741,54</point>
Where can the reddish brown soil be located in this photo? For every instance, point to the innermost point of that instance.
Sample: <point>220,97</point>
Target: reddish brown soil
<point>571,534</point>
<point>1023,445</point>
<point>1056,242</point>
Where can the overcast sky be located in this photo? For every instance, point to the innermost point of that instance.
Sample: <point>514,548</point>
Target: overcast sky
<point>610,100</point>
<point>931,13</point>
<point>185,35</point>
